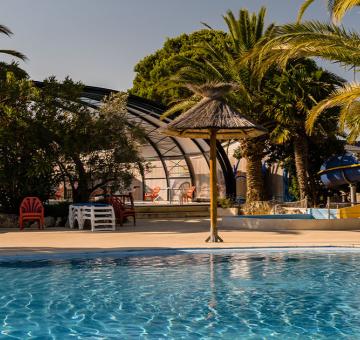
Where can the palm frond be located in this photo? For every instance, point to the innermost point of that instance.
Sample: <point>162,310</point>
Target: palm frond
<point>344,97</point>
<point>280,135</point>
<point>337,8</point>
<point>14,54</point>
<point>340,7</point>
<point>220,64</point>
<point>308,39</point>
<point>260,24</point>
<point>351,123</point>
<point>5,30</point>
<point>180,107</point>
<point>303,9</point>
<point>206,25</point>
<point>233,28</point>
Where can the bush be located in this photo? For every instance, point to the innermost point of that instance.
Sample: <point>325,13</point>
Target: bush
<point>257,208</point>
<point>225,202</point>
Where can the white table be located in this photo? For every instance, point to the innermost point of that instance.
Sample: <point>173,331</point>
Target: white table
<point>101,216</point>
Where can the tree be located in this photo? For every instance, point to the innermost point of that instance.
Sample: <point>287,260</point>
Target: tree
<point>221,64</point>
<point>320,148</point>
<point>5,30</point>
<point>327,41</point>
<point>291,94</point>
<point>155,69</point>
<point>49,135</point>
<point>26,169</point>
<point>93,147</point>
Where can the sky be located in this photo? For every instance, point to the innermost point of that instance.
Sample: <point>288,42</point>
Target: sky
<point>98,42</point>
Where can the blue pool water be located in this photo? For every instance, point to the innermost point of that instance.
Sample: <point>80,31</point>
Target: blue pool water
<point>247,295</point>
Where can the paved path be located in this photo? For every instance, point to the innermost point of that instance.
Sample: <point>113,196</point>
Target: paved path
<point>158,234</point>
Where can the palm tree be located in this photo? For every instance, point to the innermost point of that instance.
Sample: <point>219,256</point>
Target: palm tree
<point>7,32</point>
<point>291,95</point>
<point>222,65</point>
<point>327,41</point>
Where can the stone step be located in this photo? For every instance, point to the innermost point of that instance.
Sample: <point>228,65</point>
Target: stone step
<point>183,214</point>
<point>172,208</point>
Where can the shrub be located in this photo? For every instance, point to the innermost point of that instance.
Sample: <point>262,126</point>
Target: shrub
<point>225,202</point>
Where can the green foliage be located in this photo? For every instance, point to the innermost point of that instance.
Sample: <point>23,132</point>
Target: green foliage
<point>347,99</point>
<point>92,147</point>
<point>308,39</point>
<point>13,68</point>
<point>154,70</point>
<point>294,190</point>
<point>225,202</point>
<point>281,98</point>
<point>316,39</point>
<point>50,135</point>
<point>290,95</point>
<point>320,148</point>
<point>221,64</point>
<point>26,169</point>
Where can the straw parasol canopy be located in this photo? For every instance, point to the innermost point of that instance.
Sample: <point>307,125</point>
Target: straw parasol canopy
<point>212,118</point>
<point>212,112</point>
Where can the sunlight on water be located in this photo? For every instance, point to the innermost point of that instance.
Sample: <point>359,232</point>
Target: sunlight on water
<point>207,296</point>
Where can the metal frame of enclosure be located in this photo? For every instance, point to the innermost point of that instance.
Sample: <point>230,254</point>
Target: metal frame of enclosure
<point>174,161</point>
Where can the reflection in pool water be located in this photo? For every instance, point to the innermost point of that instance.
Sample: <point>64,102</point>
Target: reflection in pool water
<point>239,295</point>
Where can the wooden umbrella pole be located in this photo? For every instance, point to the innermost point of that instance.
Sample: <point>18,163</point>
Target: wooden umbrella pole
<point>214,237</point>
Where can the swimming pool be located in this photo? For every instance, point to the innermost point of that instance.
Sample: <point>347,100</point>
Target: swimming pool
<point>248,295</point>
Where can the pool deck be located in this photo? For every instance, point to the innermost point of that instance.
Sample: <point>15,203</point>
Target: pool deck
<point>164,234</point>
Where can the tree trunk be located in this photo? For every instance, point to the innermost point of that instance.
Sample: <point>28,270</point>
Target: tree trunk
<point>301,154</point>
<point>313,190</point>
<point>252,150</point>
<point>82,192</point>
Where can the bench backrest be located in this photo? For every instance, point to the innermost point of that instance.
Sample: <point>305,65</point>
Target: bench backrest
<point>121,202</point>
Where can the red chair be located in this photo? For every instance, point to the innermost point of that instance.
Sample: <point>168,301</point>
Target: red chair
<point>153,195</point>
<point>123,207</point>
<point>31,209</point>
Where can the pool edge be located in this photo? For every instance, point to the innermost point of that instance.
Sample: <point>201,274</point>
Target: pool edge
<point>173,251</point>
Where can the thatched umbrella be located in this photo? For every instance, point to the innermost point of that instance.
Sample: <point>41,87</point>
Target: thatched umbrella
<point>212,118</point>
